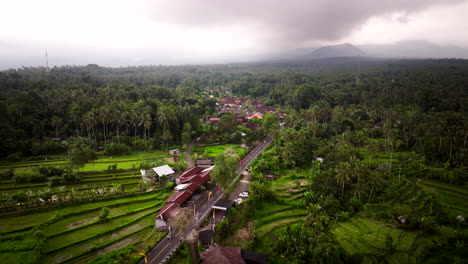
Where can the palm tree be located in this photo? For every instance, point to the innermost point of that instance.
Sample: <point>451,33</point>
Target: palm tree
<point>146,122</point>
<point>166,114</point>
<point>343,173</point>
<point>90,120</point>
<point>104,118</point>
<point>375,181</point>
<point>56,121</point>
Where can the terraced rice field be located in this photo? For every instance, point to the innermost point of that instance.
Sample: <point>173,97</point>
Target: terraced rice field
<point>452,196</point>
<point>359,235</point>
<point>78,235</point>
<point>284,210</point>
<point>101,164</point>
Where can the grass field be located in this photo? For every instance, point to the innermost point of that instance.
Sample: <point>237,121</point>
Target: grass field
<point>364,236</point>
<point>213,151</point>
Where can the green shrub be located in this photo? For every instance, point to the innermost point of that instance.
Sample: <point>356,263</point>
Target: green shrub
<point>55,180</point>
<point>7,174</point>
<point>112,168</point>
<point>115,149</point>
<point>123,256</point>
<point>18,156</point>
<point>50,171</point>
<point>104,215</point>
<point>71,177</point>
<point>29,178</point>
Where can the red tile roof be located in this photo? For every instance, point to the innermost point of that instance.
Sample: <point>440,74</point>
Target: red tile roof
<point>187,179</point>
<point>199,180</point>
<point>168,211</point>
<point>179,197</point>
<point>191,171</point>
<point>192,187</point>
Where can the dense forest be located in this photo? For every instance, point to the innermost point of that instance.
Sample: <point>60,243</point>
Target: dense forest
<point>415,105</point>
<point>414,111</point>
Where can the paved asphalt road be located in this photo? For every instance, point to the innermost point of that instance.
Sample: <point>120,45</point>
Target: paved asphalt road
<point>202,206</point>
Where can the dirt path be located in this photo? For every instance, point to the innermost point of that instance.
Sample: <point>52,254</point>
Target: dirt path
<point>188,158</point>
<point>80,223</point>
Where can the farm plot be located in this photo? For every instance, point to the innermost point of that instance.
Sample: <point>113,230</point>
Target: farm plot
<point>363,236</point>
<point>102,163</point>
<point>287,206</point>
<point>77,234</point>
<point>452,196</point>
<point>284,209</point>
<point>213,151</point>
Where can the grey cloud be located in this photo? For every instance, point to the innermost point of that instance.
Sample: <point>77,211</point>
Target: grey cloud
<point>286,20</point>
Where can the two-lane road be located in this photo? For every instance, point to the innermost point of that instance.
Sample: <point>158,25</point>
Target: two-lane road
<point>202,207</point>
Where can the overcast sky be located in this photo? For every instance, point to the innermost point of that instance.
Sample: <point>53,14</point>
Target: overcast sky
<point>135,32</point>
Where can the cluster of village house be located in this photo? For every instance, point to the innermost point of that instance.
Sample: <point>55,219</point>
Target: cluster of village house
<point>189,183</point>
<point>244,109</point>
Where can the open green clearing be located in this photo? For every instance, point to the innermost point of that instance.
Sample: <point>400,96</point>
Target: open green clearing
<point>78,235</point>
<point>360,235</point>
<point>213,151</point>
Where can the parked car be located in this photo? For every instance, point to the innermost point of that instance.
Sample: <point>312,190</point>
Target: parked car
<point>244,194</point>
<point>238,200</point>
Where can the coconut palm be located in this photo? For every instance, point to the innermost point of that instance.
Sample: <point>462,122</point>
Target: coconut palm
<point>343,175</point>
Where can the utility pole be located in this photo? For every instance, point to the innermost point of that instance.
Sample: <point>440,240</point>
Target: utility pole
<point>358,70</point>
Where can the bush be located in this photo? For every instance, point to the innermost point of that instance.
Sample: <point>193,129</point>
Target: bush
<point>104,215</point>
<point>112,168</point>
<point>49,147</point>
<point>28,178</point>
<point>55,180</point>
<point>7,174</point>
<point>50,171</point>
<point>18,156</point>
<point>115,149</point>
<point>71,177</point>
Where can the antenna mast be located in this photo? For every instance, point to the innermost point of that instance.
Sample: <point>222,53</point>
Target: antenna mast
<point>47,62</point>
<point>358,70</point>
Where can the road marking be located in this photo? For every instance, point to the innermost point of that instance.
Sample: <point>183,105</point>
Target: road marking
<point>159,253</point>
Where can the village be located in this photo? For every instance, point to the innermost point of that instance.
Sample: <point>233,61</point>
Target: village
<point>243,109</point>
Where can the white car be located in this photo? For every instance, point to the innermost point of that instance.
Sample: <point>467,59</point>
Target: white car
<point>244,194</point>
<point>238,200</point>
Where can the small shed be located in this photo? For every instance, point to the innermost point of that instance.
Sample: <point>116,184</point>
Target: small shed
<point>174,152</point>
<point>205,237</point>
<point>205,163</point>
<point>253,257</point>
<point>223,204</point>
<point>217,254</point>
<point>163,170</point>
<point>167,212</point>
<point>271,177</point>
